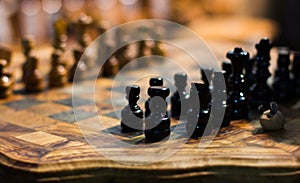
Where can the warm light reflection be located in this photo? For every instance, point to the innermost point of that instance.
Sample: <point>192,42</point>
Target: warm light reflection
<point>51,6</point>
<point>31,7</point>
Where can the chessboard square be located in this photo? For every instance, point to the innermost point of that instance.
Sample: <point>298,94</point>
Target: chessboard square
<point>23,104</point>
<point>76,100</point>
<point>113,114</point>
<point>69,116</point>
<point>42,138</point>
<point>48,108</point>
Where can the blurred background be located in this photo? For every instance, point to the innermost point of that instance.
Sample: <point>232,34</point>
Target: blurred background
<point>244,21</point>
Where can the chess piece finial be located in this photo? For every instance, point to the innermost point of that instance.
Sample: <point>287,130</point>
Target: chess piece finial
<point>28,43</point>
<point>132,115</point>
<point>272,119</point>
<point>6,80</point>
<point>237,96</point>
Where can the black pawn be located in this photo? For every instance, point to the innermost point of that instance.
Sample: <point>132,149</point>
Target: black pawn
<point>152,82</point>
<point>260,93</point>
<point>249,77</point>
<point>220,100</point>
<point>206,75</point>
<point>179,97</point>
<point>296,73</point>
<point>157,125</point>
<point>237,97</point>
<point>132,115</point>
<point>282,86</point>
<point>227,70</point>
<point>199,112</point>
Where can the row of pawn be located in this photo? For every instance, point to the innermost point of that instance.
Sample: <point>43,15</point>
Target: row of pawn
<point>193,108</point>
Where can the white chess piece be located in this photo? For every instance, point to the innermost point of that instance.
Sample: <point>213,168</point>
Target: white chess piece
<point>272,119</point>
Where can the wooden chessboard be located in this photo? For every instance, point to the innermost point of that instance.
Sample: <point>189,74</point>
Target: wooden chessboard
<point>40,140</point>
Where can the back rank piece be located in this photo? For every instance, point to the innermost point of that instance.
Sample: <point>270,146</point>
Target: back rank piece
<point>132,115</point>
<point>237,95</point>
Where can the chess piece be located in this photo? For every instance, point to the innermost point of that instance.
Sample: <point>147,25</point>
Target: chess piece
<point>132,115</point>
<point>152,82</point>
<point>79,67</point>
<point>249,77</point>
<point>282,85</point>
<point>220,99</point>
<point>5,54</point>
<point>259,92</point>
<point>122,56</point>
<point>28,46</point>
<point>6,80</point>
<point>110,67</point>
<point>179,99</point>
<point>84,22</point>
<point>60,34</point>
<point>272,119</point>
<point>157,49</point>
<point>199,111</point>
<point>296,73</point>
<point>227,70</point>
<point>33,78</point>
<point>58,75</point>
<point>143,50</point>
<point>206,76</point>
<point>237,97</point>
<point>157,125</point>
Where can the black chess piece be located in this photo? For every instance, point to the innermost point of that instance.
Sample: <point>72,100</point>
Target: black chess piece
<point>296,74</point>
<point>58,75</point>
<point>259,92</point>
<point>6,80</point>
<point>237,97</point>
<point>199,111</point>
<point>227,70</point>
<point>157,125</point>
<point>249,77</point>
<point>180,97</point>
<point>132,115</point>
<point>220,99</point>
<point>282,85</point>
<point>152,82</point>
<point>206,76</point>
<point>79,67</point>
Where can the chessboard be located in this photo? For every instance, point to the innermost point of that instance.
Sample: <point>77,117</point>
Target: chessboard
<point>43,140</point>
